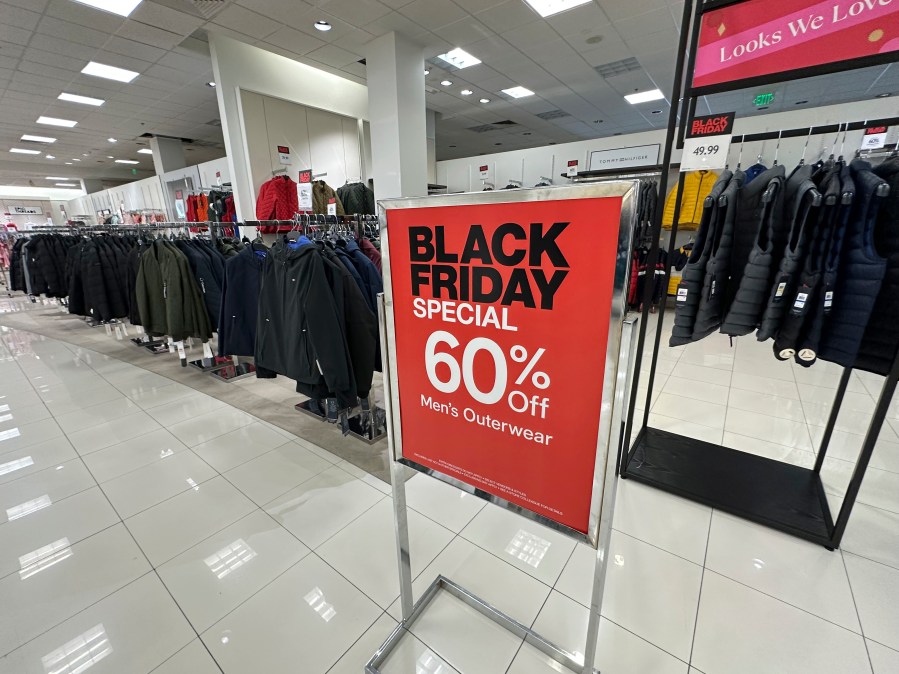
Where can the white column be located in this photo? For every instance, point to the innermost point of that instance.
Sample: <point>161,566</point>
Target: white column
<point>396,108</point>
<point>168,154</point>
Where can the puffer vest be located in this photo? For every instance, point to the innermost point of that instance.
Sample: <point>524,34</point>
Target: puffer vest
<point>881,340</point>
<point>801,200</point>
<point>861,273</point>
<point>761,216</point>
<point>689,290</point>
<point>717,270</point>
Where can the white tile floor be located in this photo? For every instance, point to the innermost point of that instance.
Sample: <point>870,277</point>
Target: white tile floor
<point>145,527</point>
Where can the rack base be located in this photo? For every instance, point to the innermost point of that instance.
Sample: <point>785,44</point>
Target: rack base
<point>233,372</point>
<point>369,428</point>
<point>778,495</point>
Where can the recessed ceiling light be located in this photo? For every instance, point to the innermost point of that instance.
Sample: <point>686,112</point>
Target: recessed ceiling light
<point>67,184</point>
<point>485,100</point>
<point>427,72</point>
<point>38,139</point>
<point>54,121</point>
<point>210,84</point>
<point>110,157</point>
<point>50,156</point>
<point>68,163</point>
<point>459,58</point>
<point>644,96</point>
<point>112,140</point>
<point>86,100</point>
<point>76,160</point>
<point>145,150</point>
<point>120,7</point>
<point>446,83</point>
<point>19,150</point>
<point>56,178</point>
<point>109,72</point>
<point>518,92</point>
<point>126,161</point>
<point>323,26</point>
<point>466,92</point>
<point>86,154</point>
<point>547,8</point>
<point>884,95</point>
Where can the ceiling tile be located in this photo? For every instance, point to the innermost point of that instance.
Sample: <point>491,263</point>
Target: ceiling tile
<point>358,12</point>
<point>13,35</point>
<point>83,15</point>
<point>394,22</point>
<point>294,41</point>
<point>123,47</point>
<point>247,22</point>
<point>333,55</point>
<point>646,24</point>
<point>531,34</point>
<point>19,17</point>
<point>465,32</point>
<point>584,20</point>
<point>432,14</point>
<point>147,34</point>
<point>508,15</point>
<point>154,14</point>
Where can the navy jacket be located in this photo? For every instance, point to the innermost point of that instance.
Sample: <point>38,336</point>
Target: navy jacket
<point>240,301</point>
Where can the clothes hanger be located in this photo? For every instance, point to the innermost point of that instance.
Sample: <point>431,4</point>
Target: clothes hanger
<point>805,147</point>
<point>777,147</point>
<point>845,129</point>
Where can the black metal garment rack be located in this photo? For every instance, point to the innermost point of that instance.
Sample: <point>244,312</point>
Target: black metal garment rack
<point>779,495</point>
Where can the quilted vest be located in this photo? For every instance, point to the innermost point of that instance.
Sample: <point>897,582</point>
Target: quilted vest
<point>761,216</point>
<point>717,270</point>
<point>689,290</point>
<point>881,339</point>
<point>861,273</point>
<point>801,199</point>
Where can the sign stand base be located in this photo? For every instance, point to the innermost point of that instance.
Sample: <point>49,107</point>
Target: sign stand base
<point>560,655</point>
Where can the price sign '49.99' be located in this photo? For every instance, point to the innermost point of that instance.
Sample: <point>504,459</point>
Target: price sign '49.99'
<point>501,314</point>
<point>707,142</point>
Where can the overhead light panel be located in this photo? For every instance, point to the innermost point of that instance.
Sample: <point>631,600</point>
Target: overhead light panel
<point>86,100</point>
<point>518,92</point>
<point>108,72</point>
<point>120,7</point>
<point>66,184</point>
<point>459,58</point>
<point>38,139</point>
<point>547,8</point>
<point>644,96</point>
<point>112,140</point>
<point>49,156</point>
<point>19,150</point>
<point>56,178</point>
<point>55,121</point>
<point>145,150</point>
<point>126,161</point>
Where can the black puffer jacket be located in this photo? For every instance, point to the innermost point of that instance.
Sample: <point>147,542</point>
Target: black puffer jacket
<point>761,215</point>
<point>714,285</point>
<point>357,198</point>
<point>801,199</point>
<point>881,340</point>
<point>689,290</point>
<point>861,273</point>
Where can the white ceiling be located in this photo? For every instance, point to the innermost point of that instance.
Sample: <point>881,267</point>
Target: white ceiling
<point>45,43</point>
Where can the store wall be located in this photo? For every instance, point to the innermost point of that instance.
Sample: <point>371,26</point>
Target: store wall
<point>462,175</point>
<point>22,220</point>
<point>240,67</point>
<point>323,141</point>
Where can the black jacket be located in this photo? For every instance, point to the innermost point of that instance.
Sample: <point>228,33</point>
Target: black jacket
<point>372,284</point>
<point>881,340</point>
<point>861,273</point>
<point>299,330</point>
<point>240,302</point>
<point>357,198</point>
<point>206,276</point>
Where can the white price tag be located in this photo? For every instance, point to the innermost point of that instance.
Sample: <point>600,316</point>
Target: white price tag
<point>140,329</point>
<point>709,152</point>
<point>485,172</point>
<point>235,360</point>
<point>171,345</point>
<point>572,168</point>
<point>207,350</point>
<point>332,207</point>
<point>875,138</point>
<point>124,329</point>
<point>119,335</point>
<point>304,196</point>
<point>181,353</point>
<point>108,329</point>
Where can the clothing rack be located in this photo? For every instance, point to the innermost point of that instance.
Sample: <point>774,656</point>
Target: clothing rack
<point>776,494</point>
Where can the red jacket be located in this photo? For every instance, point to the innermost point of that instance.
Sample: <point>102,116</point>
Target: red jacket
<point>277,199</point>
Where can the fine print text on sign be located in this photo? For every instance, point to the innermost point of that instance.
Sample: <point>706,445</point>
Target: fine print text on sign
<point>875,138</point>
<point>707,142</point>
<point>304,190</point>
<point>758,38</point>
<point>502,316</point>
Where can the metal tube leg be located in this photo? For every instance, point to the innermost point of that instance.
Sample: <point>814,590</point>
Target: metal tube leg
<point>832,420</point>
<point>610,488</point>
<point>397,478</point>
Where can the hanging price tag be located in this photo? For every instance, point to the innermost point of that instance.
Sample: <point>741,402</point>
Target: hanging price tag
<point>304,190</point>
<point>707,143</point>
<point>235,360</point>
<point>284,155</point>
<point>124,329</point>
<point>207,350</point>
<point>332,206</point>
<point>572,168</point>
<point>118,333</point>
<point>140,329</point>
<point>485,172</point>
<point>108,329</point>
<point>875,138</point>
<point>171,345</point>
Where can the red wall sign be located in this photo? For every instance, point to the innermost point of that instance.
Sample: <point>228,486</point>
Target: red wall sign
<point>501,318</point>
<point>763,38</point>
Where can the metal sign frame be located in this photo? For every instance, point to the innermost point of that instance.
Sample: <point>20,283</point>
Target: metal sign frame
<point>615,396</point>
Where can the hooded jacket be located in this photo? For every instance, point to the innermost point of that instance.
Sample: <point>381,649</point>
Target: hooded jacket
<point>697,186</point>
<point>240,301</point>
<point>299,331</point>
